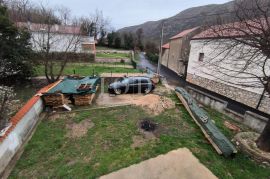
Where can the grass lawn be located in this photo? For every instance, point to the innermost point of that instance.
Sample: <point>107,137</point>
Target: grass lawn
<point>84,70</point>
<point>107,146</point>
<point>112,55</point>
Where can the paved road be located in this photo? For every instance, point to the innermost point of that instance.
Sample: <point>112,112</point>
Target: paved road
<point>172,78</point>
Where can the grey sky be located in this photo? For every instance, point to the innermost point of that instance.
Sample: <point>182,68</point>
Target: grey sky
<point>126,12</point>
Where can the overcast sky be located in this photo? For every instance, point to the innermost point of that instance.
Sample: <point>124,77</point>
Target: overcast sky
<point>124,13</point>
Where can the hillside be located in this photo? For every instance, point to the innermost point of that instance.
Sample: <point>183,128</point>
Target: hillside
<point>189,18</point>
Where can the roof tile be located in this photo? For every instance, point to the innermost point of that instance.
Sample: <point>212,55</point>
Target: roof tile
<point>183,33</point>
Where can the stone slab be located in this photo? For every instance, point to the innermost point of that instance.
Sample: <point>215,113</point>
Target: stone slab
<point>177,164</point>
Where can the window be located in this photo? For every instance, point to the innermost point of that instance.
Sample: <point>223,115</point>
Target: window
<point>201,57</point>
<point>135,81</point>
<point>144,81</point>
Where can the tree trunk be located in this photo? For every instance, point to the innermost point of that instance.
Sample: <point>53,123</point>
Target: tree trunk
<point>263,142</point>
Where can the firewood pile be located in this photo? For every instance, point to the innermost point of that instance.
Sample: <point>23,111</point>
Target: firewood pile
<point>86,99</point>
<point>83,100</point>
<point>56,99</point>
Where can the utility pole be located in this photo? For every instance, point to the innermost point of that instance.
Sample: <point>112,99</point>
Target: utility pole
<point>160,48</point>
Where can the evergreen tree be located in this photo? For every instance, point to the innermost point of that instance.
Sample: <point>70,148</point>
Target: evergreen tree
<point>129,42</point>
<point>117,42</point>
<point>111,38</point>
<point>15,50</point>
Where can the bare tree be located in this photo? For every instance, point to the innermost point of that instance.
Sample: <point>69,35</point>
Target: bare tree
<point>26,10</point>
<point>64,14</point>
<point>48,38</point>
<point>241,52</point>
<point>95,25</point>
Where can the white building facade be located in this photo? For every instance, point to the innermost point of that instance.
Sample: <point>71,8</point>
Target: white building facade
<point>216,69</point>
<point>58,38</point>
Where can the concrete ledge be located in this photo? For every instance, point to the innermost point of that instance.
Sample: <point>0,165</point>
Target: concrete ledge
<point>250,119</point>
<point>16,138</point>
<point>255,121</point>
<point>207,99</point>
<point>238,117</point>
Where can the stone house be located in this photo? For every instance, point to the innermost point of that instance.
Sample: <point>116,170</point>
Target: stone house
<point>61,38</point>
<point>206,47</point>
<point>175,53</point>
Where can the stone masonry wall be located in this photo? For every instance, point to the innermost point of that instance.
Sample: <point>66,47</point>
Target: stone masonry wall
<point>243,96</point>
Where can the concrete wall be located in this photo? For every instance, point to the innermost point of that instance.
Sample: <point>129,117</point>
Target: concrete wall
<point>208,100</point>
<point>214,79</point>
<point>175,54</point>
<point>255,121</point>
<point>165,57</point>
<point>179,53</point>
<point>16,138</point>
<point>250,119</point>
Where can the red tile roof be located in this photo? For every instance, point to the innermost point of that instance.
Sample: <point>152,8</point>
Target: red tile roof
<point>20,114</point>
<point>54,29</point>
<point>166,46</point>
<point>183,33</point>
<point>236,29</point>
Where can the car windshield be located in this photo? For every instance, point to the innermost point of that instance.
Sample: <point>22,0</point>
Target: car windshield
<point>124,80</point>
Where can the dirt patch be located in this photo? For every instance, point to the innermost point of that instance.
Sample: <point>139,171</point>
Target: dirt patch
<point>161,90</point>
<point>146,129</point>
<point>79,130</point>
<point>152,103</point>
<point>56,116</point>
<point>141,140</point>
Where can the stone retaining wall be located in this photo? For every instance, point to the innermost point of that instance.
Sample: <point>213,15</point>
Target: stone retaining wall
<point>114,51</point>
<point>112,60</point>
<point>243,96</point>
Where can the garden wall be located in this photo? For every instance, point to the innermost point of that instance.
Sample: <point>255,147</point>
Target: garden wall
<point>23,124</point>
<point>112,60</point>
<point>13,142</point>
<point>250,119</point>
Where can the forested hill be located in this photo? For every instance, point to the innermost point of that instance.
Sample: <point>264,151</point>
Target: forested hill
<point>189,18</point>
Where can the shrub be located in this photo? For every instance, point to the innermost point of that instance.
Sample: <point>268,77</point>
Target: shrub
<point>152,57</point>
<point>122,61</point>
<point>72,57</point>
<point>6,96</point>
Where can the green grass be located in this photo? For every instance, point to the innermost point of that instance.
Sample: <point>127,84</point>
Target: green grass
<point>84,70</point>
<point>106,147</point>
<point>112,55</point>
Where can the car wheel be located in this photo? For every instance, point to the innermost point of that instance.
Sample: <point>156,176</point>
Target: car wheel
<point>117,91</point>
<point>147,90</point>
